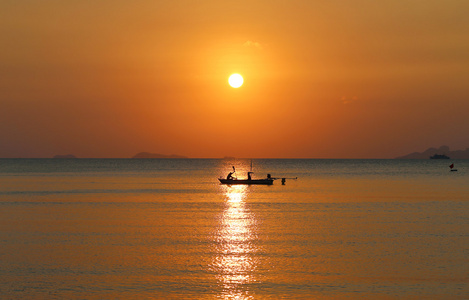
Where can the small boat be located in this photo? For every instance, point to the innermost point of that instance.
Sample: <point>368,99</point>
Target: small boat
<point>267,181</point>
<point>232,179</point>
<point>439,156</point>
<point>451,167</point>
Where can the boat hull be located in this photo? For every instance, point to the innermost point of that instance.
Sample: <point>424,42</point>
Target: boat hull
<point>266,181</point>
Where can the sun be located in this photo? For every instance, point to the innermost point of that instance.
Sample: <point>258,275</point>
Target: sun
<point>235,80</point>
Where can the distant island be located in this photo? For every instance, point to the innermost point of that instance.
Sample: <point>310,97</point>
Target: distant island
<point>443,151</point>
<point>156,155</point>
<point>65,156</point>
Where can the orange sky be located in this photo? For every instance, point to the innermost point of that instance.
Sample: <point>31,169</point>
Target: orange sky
<point>322,79</point>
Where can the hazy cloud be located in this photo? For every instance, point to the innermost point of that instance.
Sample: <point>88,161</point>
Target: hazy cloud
<point>348,100</point>
<point>252,44</point>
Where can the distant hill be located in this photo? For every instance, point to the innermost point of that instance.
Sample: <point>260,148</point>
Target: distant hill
<point>156,155</point>
<point>65,156</point>
<point>457,154</point>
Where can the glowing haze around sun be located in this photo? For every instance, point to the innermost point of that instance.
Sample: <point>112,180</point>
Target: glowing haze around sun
<point>235,80</point>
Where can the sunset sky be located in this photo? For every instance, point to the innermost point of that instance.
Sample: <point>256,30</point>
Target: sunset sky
<point>322,79</point>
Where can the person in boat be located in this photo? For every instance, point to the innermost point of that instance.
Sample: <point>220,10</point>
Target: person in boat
<point>249,175</point>
<point>230,176</point>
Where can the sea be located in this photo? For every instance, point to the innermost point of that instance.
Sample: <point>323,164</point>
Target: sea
<point>167,229</point>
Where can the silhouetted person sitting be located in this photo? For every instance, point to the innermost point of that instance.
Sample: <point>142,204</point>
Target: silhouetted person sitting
<point>230,175</point>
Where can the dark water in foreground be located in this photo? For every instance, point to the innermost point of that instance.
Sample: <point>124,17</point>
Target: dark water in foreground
<point>166,229</point>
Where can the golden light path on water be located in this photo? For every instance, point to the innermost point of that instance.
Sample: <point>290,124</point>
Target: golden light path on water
<point>235,261</point>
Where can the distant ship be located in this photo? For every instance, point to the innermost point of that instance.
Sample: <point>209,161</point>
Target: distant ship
<point>439,156</point>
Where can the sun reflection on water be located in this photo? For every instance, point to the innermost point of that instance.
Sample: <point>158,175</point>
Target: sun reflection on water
<point>235,260</point>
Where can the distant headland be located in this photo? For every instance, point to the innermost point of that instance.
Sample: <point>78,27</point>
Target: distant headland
<point>443,150</point>
<point>156,155</point>
<point>65,156</point>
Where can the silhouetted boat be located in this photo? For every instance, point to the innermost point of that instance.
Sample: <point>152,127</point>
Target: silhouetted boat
<point>232,179</point>
<point>439,156</point>
<point>267,181</point>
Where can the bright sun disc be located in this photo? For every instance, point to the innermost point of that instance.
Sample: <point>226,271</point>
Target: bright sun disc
<point>236,80</point>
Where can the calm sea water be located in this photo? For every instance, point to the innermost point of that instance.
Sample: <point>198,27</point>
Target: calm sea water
<point>166,229</point>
